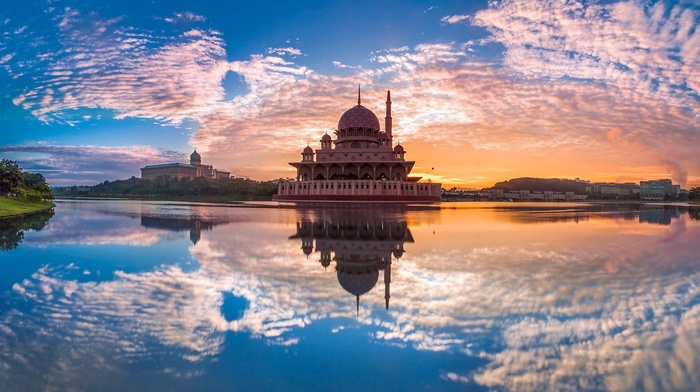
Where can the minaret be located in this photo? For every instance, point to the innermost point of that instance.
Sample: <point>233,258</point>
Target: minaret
<point>387,283</point>
<point>387,119</point>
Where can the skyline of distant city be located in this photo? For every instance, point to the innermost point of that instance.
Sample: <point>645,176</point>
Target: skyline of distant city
<point>482,91</point>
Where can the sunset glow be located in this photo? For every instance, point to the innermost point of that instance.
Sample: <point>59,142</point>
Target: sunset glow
<point>482,91</point>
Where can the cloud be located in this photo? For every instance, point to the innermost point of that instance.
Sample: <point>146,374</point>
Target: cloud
<point>451,19</point>
<point>186,16</point>
<point>68,165</point>
<point>135,73</point>
<point>285,51</point>
<point>644,49</point>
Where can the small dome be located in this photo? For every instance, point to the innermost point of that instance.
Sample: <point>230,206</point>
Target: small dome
<point>383,136</point>
<point>358,117</point>
<point>326,138</point>
<point>398,148</point>
<point>308,150</point>
<point>195,156</point>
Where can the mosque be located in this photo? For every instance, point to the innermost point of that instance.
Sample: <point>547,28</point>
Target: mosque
<point>360,165</point>
<point>182,170</point>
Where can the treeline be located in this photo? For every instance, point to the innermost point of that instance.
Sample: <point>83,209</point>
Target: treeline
<point>29,186</point>
<point>542,184</point>
<point>171,186</point>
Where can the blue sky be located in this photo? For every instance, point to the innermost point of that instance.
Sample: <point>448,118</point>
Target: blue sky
<point>482,92</point>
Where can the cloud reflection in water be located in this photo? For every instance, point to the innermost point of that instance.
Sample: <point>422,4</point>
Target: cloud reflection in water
<point>601,302</point>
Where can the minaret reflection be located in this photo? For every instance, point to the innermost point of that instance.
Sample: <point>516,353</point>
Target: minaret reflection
<point>361,245</point>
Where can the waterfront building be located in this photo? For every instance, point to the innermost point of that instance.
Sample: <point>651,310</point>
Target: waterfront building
<point>526,195</point>
<point>360,164</point>
<point>657,190</point>
<point>183,170</point>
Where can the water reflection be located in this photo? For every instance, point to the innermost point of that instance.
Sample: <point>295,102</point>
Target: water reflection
<point>660,214</point>
<point>194,225</point>
<point>588,298</point>
<point>361,245</point>
<point>12,229</point>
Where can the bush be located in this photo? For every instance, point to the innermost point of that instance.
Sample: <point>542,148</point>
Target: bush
<point>28,194</point>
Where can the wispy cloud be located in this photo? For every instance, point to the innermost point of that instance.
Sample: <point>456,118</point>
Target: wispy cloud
<point>68,165</point>
<point>451,19</point>
<point>289,51</point>
<point>187,16</point>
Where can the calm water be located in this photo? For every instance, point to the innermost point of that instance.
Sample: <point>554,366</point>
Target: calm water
<point>123,295</point>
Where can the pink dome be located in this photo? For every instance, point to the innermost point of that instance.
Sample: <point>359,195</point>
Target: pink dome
<point>383,136</point>
<point>358,117</point>
<point>308,150</point>
<point>398,148</point>
<point>326,138</point>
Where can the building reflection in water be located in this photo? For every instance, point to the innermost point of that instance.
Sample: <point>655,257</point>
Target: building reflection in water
<point>658,214</point>
<point>194,225</point>
<point>360,245</point>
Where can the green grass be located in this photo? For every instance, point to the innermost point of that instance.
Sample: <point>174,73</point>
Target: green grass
<point>10,206</point>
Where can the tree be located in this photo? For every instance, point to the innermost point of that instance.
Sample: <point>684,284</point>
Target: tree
<point>694,193</point>
<point>11,175</point>
<point>37,182</point>
<point>37,188</point>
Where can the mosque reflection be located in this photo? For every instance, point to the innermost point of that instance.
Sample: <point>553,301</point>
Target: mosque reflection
<point>361,245</point>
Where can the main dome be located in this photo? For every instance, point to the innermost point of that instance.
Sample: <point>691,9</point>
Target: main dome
<point>358,117</point>
<point>358,284</point>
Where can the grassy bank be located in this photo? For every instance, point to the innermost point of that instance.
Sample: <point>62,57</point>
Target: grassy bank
<point>10,206</point>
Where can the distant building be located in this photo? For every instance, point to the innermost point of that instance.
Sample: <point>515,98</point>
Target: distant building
<point>656,190</point>
<point>183,170</point>
<point>611,188</point>
<point>526,195</point>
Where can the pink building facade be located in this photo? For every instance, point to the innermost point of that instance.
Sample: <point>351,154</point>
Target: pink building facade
<point>360,164</point>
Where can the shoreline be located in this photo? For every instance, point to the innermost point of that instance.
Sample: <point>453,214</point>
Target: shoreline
<point>11,207</point>
<point>267,203</point>
<point>197,199</point>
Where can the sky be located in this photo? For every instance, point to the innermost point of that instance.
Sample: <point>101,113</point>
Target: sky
<point>482,91</point>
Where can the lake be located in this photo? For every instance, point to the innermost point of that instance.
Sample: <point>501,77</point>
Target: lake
<point>135,295</point>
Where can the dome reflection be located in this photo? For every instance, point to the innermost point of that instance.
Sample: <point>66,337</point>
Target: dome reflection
<point>361,245</point>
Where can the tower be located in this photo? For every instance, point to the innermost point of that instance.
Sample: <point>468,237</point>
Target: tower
<point>387,119</point>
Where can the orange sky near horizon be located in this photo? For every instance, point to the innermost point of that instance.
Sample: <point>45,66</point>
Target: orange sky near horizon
<point>467,156</point>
